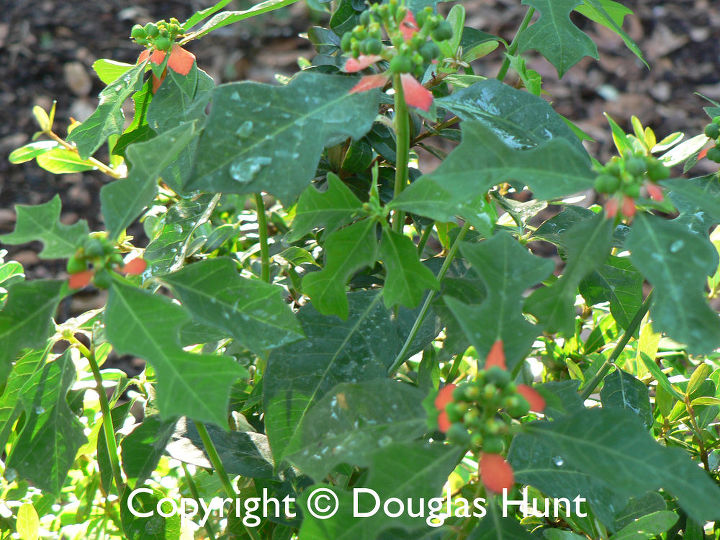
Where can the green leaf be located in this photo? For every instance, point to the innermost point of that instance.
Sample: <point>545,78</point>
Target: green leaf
<point>520,119</point>
<point>195,385</point>
<point>507,271</point>
<point>347,251</point>
<point>327,209</point>
<point>660,377</point>
<point>109,71</point>
<point>358,349</point>
<point>10,404</point>
<point>407,278</point>
<point>555,36</point>
<point>28,522</point>
<point>42,222</point>
<point>260,137</point>
<point>25,319</point>
<point>503,529</point>
<point>614,448</point>
<point>648,526</point>
<point>180,99</point>
<point>51,435</point>
<point>243,453</point>
<point>623,391</point>
<point>143,447</point>
<point>610,14</point>
<point>677,262</point>
<point>31,151</point>
<point>617,282</point>
<point>149,524</point>
<point>230,17</point>
<point>691,195</point>
<point>588,244</point>
<point>638,507</point>
<point>251,311</point>
<point>62,161</point>
<point>123,200</point>
<point>398,470</point>
<point>352,421</point>
<point>457,187</point>
<point>108,118</point>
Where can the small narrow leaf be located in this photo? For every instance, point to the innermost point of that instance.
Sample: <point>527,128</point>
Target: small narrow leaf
<point>31,151</point>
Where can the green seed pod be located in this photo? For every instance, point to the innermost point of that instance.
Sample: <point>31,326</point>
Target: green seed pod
<point>400,13</point>
<point>613,168</point>
<point>455,412</point>
<point>429,51</point>
<point>401,64</point>
<point>657,171</point>
<point>492,427</point>
<point>102,279</point>
<point>493,445</point>
<point>457,434</point>
<point>472,392</point>
<point>471,416</point>
<point>489,392</point>
<point>606,183</point>
<point>632,190</point>
<point>712,131</point>
<point>714,154</point>
<point>151,30</point>
<point>716,120</point>
<point>346,41</point>
<point>138,32</point>
<point>75,265</point>
<point>163,43</point>
<point>476,440</point>
<point>372,46</point>
<point>94,247</point>
<point>636,166</point>
<point>520,407</point>
<point>443,31</point>
<point>365,18</point>
<point>498,376</point>
<point>116,258</point>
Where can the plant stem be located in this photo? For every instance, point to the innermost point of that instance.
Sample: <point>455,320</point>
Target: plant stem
<point>72,148</point>
<point>424,238</point>
<point>698,433</point>
<point>512,48</point>
<point>589,388</point>
<point>402,147</point>
<point>196,495</point>
<point>399,359</point>
<point>108,427</point>
<point>263,231</point>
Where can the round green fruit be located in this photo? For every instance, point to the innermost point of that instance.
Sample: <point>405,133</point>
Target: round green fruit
<point>401,64</point>
<point>138,32</point>
<point>714,154</point>
<point>606,183</point>
<point>457,434</point>
<point>372,46</point>
<point>75,265</point>
<point>94,247</point>
<point>455,412</point>
<point>443,31</point>
<point>636,166</point>
<point>657,171</point>
<point>498,376</point>
<point>429,51</point>
<point>346,41</point>
<point>632,190</point>
<point>493,445</point>
<point>712,131</point>
<point>151,30</point>
<point>163,43</point>
<point>365,18</point>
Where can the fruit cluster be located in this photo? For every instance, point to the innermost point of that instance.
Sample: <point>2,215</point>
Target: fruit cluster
<point>712,131</point>
<point>160,35</point>
<point>103,256</point>
<point>624,177</point>
<point>414,41</point>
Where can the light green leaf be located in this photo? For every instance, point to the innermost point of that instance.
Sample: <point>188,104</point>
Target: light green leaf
<point>648,526</point>
<point>507,271</point>
<point>153,527</point>
<point>51,434</point>
<point>109,71</point>
<point>143,447</point>
<point>555,36</point>
<point>610,14</point>
<point>108,118</point>
<point>352,421</point>
<point>347,251</point>
<point>693,194</point>
<point>42,222</point>
<point>588,245</point>
<point>623,391</point>
<point>230,17</point>
<point>617,282</point>
<point>251,311</point>
<point>638,507</point>
<point>62,161</point>
<point>260,137</point>
<point>10,404</point>
<point>327,209</point>
<point>28,522</point>
<point>31,151</point>
<point>123,200</point>
<point>407,278</point>
<point>194,385</point>
<point>677,262</point>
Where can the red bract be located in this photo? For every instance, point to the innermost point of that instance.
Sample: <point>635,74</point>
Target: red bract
<point>654,191</point>
<point>533,397</point>
<point>408,26</point>
<point>703,153</point>
<point>369,82</point>
<point>416,94</point>
<point>443,422</point>
<point>611,207</point>
<point>353,65</point>
<point>134,267</point>
<point>80,280</point>
<point>180,61</point>
<point>496,473</point>
<point>628,206</point>
<point>496,356</point>
<point>444,396</point>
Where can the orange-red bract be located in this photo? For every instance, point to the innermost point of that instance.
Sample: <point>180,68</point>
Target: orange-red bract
<point>408,26</point>
<point>496,473</point>
<point>416,94</point>
<point>703,153</point>
<point>181,61</point>
<point>134,267</point>
<point>496,356</point>
<point>628,206</point>
<point>444,396</point>
<point>369,82</point>
<point>353,65</point>
<point>443,422</point>
<point>80,280</point>
<point>611,207</point>
<point>654,191</point>
<point>533,397</point>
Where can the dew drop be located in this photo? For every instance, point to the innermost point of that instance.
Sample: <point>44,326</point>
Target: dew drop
<point>39,409</point>
<point>245,170</point>
<point>676,246</point>
<point>384,440</point>
<point>245,129</point>
<point>558,461</point>
<point>10,474</point>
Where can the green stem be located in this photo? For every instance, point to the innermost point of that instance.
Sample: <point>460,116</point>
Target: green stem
<point>402,147</point>
<point>589,388</point>
<point>196,495</point>
<point>399,359</point>
<point>424,238</point>
<point>263,231</point>
<point>513,47</point>
<point>108,428</point>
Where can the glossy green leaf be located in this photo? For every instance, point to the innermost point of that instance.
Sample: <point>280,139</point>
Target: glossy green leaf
<point>180,99</point>
<point>354,420</point>
<point>51,435</point>
<point>555,36</point>
<point>347,251</point>
<point>588,245</point>
<point>407,278</point>
<point>677,262</point>
<point>149,524</point>
<point>26,318</point>
<point>108,118</point>
<point>143,447</point>
<point>10,404</point>
<point>520,119</point>
<point>251,311</point>
<point>507,271</point>
<point>649,526</point>
<point>399,470</point>
<point>638,507</point>
<point>42,222</point>
<point>63,161</point>
<point>617,282</point>
<point>327,209</point>
<point>28,522</point>
<point>610,14</point>
<point>260,137</point>
<point>457,187</point>
<point>614,448</point>
<point>695,194</point>
<point>123,200</point>
<point>623,391</point>
<point>31,151</point>
<point>109,71</point>
<point>225,18</point>
<point>195,385</point>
